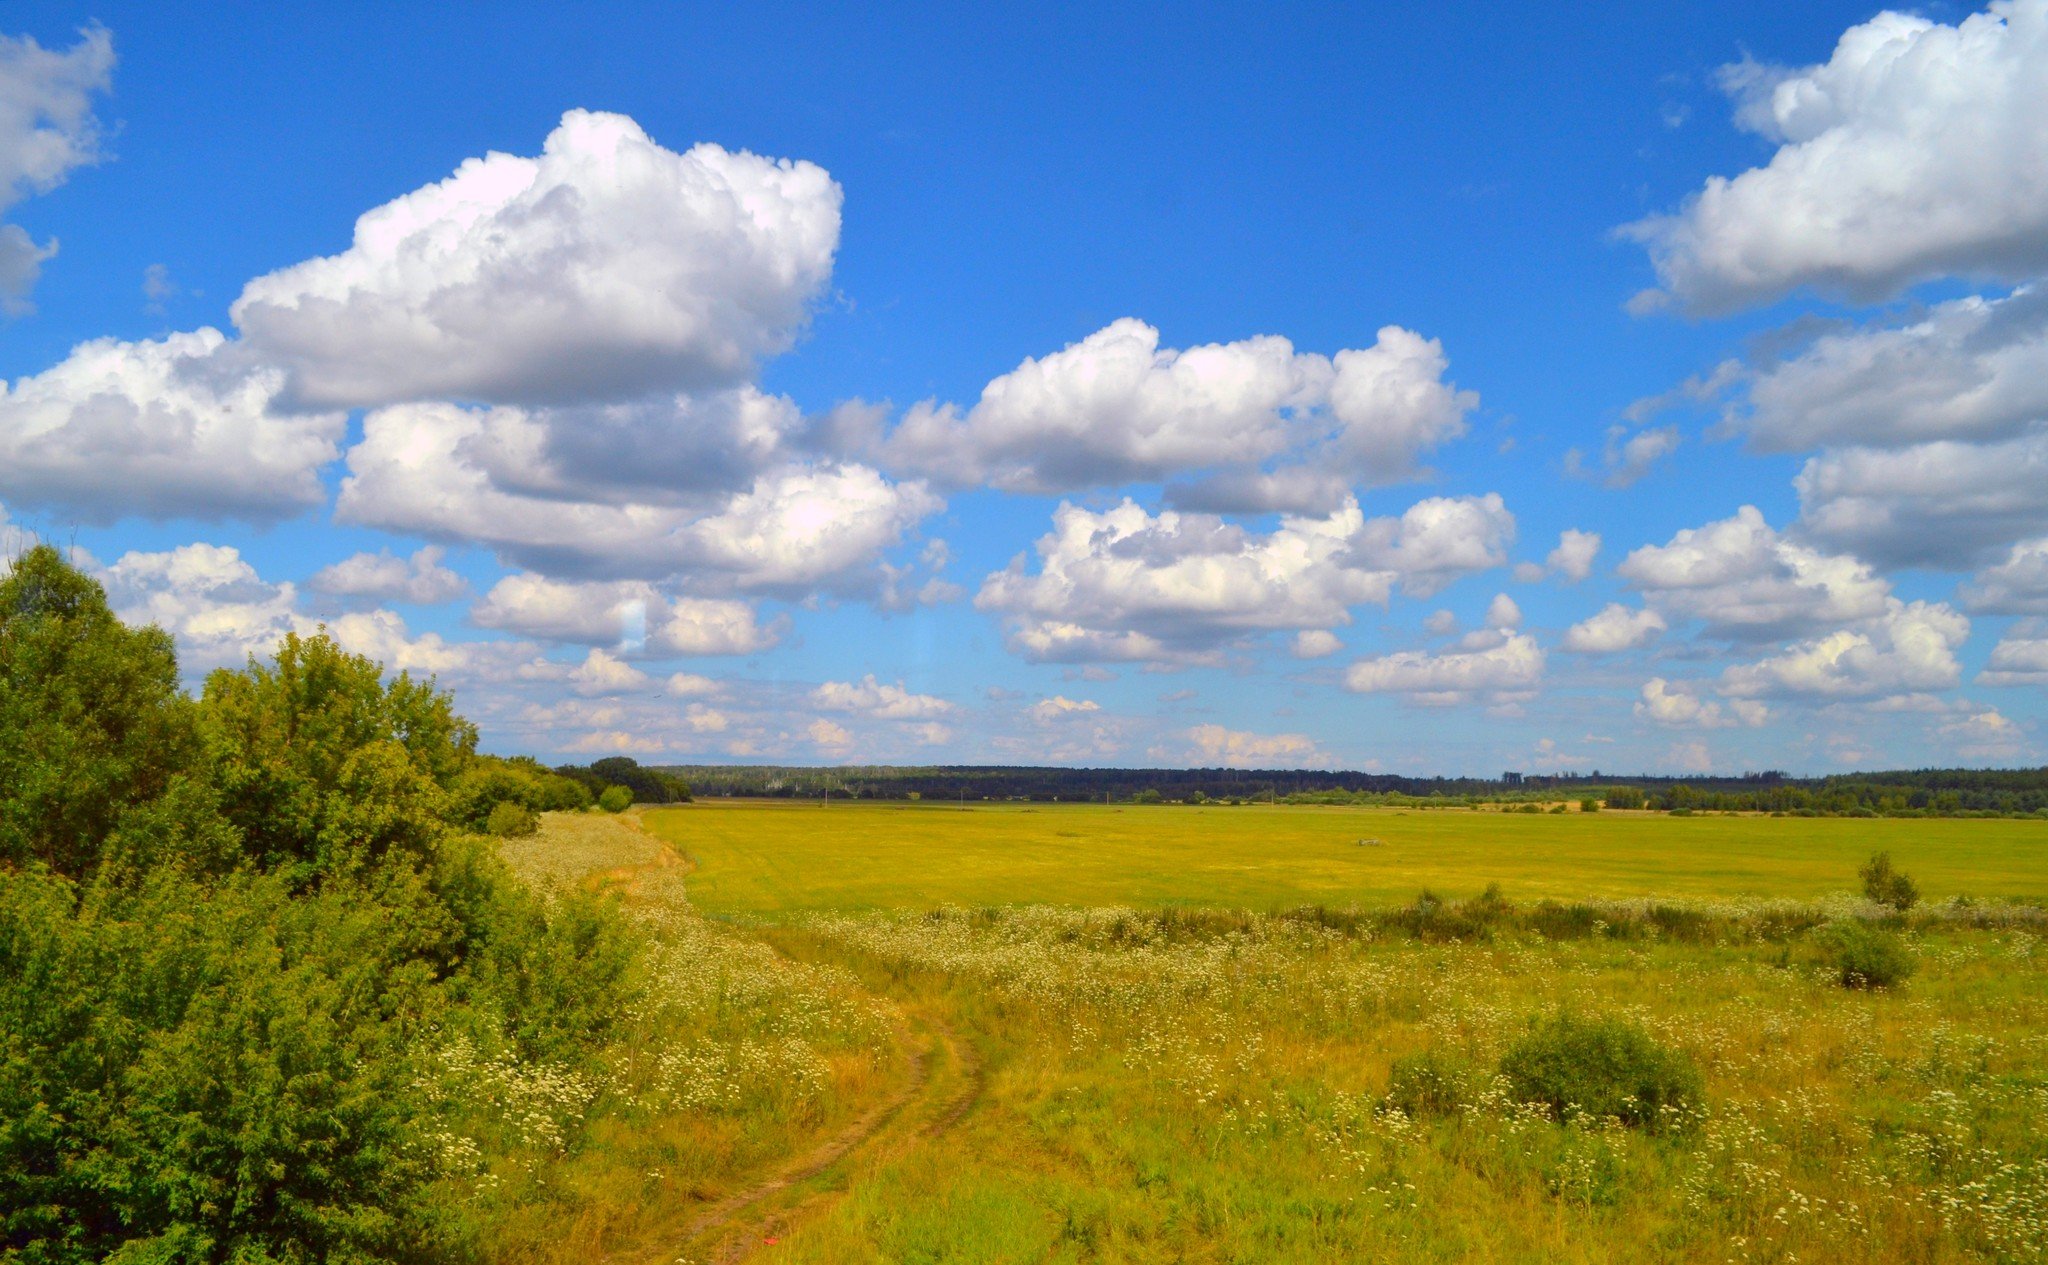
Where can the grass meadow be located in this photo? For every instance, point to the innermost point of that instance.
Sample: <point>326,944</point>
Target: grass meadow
<point>778,857</point>
<point>1183,1032</point>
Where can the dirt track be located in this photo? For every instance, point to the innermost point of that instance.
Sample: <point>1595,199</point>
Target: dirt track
<point>941,1083</point>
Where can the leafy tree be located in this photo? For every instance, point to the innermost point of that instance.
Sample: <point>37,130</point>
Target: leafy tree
<point>322,765</point>
<point>92,722</point>
<point>1886,885</point>
<point>616,799</point>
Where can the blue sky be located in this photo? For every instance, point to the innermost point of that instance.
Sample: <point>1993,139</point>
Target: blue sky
<point>758,451</point>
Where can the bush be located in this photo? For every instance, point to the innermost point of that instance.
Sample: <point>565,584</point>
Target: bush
<point>1589,805</point>
<point>616,799</point>
<point>511,819</point>
<point>1863,956</point>
<point>1888,886</point>
<point>1602,1068</point>
<point>1428,1084</point>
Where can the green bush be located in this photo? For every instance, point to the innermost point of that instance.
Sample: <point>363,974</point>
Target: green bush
<point>1863,956</point>
<point>511,819</point>
<point>1600,1068</point>
<point>1428,1084</point>
<point>616,799</point>
<point>234,934</point>
<point>1888,886</point>
<point>1589,805</point>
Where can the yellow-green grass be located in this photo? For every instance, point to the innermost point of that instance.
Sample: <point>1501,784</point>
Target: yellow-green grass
<point>769,857</point>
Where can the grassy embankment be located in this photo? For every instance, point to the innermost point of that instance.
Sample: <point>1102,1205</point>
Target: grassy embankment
<point>1180,1085</point>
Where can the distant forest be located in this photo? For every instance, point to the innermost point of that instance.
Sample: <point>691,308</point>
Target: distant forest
<point>1930,792</point>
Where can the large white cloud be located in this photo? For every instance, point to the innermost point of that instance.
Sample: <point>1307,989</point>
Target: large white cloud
<point>606,268</point>
<point>1116,407</point>
<point>2016,586</point>
<point>47,130</point>
<point>1125,584</point>
<point>2018,659</point>
<point>1911,647</point>
<point>627,613</point>
<point>184,426</point>
<point>220,611</point>
<point>1914,152</point>
<point>1942,504</point>
<point>1679,705</point>
<point>378,576</point>
<point>1747,581</point>
<point>1613,629</point>
<point>432,469</point>
<point>212,602</point>
<point>1237,749</point>
<point>1497,665</point>
<point>1439,540</point>
<point>880,699</point>
<point>1969,369</point>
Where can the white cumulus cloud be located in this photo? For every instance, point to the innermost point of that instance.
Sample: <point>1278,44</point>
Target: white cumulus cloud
<point>1497,665</point>
<point>1573,557</point>
<point>1060,707</point>
<point>1237,749</point>
<point>1746,581</point>
<point>428,469</point>
<point>879,699</point>
<point>1914,152</point>
<point>605,268</point>
<point>2018,659</point>
<point>1116,407</point>
<point>1615,628</point>
<point>47,130</point>
<point>380,577</point>
<point>1680,706</point>
<point>183,426</point>
<point>1911,647</point>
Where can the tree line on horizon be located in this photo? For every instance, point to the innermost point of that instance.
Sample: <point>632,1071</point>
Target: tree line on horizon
<point>1922,792</point>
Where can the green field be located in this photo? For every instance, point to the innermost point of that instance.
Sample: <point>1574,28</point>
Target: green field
<point>1121,1035</point>
<point>763,857</point>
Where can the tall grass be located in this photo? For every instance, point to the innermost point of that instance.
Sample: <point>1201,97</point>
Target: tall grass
<point>1158,1094</point>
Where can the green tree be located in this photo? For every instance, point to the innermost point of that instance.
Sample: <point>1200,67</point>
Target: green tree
<point>1888,886</point>
<point>92,723</point>
<point>323,765</point>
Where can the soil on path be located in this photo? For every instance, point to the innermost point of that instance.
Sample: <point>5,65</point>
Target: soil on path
<point>941,1083</point>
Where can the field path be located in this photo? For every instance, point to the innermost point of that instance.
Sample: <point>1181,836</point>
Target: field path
<point>942,1082</point>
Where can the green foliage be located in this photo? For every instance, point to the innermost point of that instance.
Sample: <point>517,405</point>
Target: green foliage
<point>616,799</point>
<point>1602,1068</point>
<point>648,786</point>
<point>1589,805</point>
<point>491,780</point>
<point>1429,1083</point>
<point>235,936</point>
<point>511,819</point>
<point>323,766</point>
<point>1886,885</point>
<point>208,1073</point>
<point>1863,956</point>
<point>91,720</point>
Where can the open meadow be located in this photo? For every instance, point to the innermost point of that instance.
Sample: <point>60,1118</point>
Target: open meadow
<point>778,856</point>
<point>1238,1035</point>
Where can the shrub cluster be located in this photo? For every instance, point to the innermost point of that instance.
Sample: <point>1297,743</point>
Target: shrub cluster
<point>1863,956</point>
<point>1888,886</point>
<point>1602,1068</point>
<point>235,931</point>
